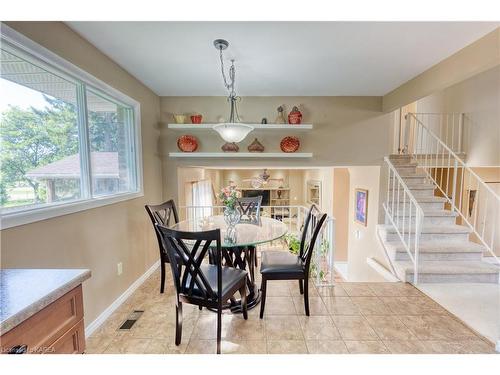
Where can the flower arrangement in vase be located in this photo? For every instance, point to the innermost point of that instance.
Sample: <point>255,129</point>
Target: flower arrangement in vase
<point>229,198</point>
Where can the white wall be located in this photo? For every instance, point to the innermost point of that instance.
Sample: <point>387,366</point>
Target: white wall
<point>363,241</point>
<point>479,98</point>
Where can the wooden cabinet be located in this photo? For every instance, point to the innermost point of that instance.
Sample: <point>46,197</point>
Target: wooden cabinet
<point>57,328</point>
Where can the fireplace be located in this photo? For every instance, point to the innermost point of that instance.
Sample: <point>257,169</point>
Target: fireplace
<point>254,193</point>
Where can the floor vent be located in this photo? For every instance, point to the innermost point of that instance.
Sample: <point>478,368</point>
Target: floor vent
<point>132,318</point>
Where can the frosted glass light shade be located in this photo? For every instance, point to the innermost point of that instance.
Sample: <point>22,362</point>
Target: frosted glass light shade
<point>233,132</point>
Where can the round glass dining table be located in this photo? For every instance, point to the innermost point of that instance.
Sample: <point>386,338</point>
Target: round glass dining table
<point>239,245</point>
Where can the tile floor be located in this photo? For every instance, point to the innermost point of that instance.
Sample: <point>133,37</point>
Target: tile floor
<point>346,318</point>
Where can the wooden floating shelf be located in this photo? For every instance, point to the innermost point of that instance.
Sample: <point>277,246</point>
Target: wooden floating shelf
<point>240,155</point>
<point>256,126</point>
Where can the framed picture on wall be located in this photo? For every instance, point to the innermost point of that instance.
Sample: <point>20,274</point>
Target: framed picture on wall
<point>361,206</point>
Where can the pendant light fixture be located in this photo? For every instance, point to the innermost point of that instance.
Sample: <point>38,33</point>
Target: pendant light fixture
<point>234,130</point>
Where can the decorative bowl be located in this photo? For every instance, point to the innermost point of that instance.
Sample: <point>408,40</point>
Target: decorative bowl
<point>196,119</point>
<point>187,143</point>
<point>290,144</point>
<point>180,119</point>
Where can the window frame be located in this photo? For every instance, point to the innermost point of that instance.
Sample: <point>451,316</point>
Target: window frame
<point>46,59</point>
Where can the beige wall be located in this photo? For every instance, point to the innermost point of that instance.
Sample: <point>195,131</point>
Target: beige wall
<point>363,241</point>
<point>99,238</point>
<point>479,99</point>
<point>341,194</point>
<point>347,131</point>
<point>480,56</point>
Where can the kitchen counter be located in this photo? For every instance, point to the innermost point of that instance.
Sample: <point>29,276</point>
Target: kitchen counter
<point>25,292</point>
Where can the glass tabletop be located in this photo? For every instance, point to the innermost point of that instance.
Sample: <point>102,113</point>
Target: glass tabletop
<point>245,233</point>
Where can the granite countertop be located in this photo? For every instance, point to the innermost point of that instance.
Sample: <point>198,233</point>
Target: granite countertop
<point>24,292</point>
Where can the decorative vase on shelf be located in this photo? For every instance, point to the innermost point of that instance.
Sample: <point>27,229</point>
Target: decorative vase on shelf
<point>230,147</point>
<point>255,146</point>
<point>196,118</point>
<point>281,115</point>
<point>295,117</point>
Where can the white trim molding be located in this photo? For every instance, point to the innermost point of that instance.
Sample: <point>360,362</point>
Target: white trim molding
<point>93,326</point>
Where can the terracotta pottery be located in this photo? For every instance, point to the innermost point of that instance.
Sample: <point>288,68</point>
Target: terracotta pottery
<point>290,144</point>
<point>255,146</point>
<point>196,119</point>
<point>295,117</point>
<point>230,147</point>
<point>187,143</point>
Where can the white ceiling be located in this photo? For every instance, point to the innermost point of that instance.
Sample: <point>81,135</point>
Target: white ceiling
<point>280,58</point>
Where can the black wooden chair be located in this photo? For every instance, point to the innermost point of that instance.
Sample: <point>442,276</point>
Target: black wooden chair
<point>204,285</point>
<point>249,208</point>
<point>162,214</point>
<point>282,265</point>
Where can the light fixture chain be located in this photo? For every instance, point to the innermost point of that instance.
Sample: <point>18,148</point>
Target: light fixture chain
<point>232,75</point>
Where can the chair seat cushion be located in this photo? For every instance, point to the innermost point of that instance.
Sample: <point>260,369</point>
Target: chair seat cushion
<point>280,263</point>
<point>231,277</point>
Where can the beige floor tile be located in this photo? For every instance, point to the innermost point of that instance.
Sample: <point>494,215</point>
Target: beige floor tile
<point>279,306</point>
<point>293,286</point>
<point>406,346</point>
<point>202,347</point>
<point>206,327</point>
<point>394,289</point>
<point>318,328</point>
<point>358,289</point>
<point>437,327</point>
<point>347,316</point>
<point>326,347</point>
<point>121,345</point>
<point>165,346</point>
<point>97,345</point>
<point>354,328</point>
<point>244,347</point>
<point>283,327</point>
<point>371,306</point>
<point>287,347</point>
<point>366,347</point>
<point>332,291</point>
<point>111,325</point>
<point>246,330</point>
<point>340,306</point>
<point>389,328</point>
<point>277,288</point>
<point>316,306</point>
<point>413,306</point>
<point>476,347</point>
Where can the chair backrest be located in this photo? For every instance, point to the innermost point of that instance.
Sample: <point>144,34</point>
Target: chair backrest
<point>312,227</point>
<point>190,248</point>
<point>249,207</point>
<point>162,214</point>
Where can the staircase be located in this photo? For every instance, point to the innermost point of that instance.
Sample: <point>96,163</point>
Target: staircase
<point>428,241</point>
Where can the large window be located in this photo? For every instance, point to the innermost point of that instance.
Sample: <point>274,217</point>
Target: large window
<point>63,140</point>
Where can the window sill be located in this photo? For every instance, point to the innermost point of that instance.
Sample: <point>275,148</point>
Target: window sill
<point>15,219</point>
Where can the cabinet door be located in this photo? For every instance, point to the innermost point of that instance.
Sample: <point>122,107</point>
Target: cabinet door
<point>41,330</point>
<point>72,342</point>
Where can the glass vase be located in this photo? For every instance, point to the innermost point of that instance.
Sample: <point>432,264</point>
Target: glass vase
<point>231,216</point>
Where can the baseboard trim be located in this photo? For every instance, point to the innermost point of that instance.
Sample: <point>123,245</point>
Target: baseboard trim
<point>93,326</point>
<point>341,268</point>
<point>382,270</point>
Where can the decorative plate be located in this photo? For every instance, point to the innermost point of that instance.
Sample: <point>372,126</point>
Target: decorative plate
<point>290,144</point>
<point>187,143</point>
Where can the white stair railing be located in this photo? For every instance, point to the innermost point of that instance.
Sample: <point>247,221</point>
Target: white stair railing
<point>448,127</point>
<point>476,203</point>
<point>404,213</point>
<point>293,217</point>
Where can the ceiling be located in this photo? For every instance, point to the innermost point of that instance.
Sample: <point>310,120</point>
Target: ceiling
<point>280,58</point>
